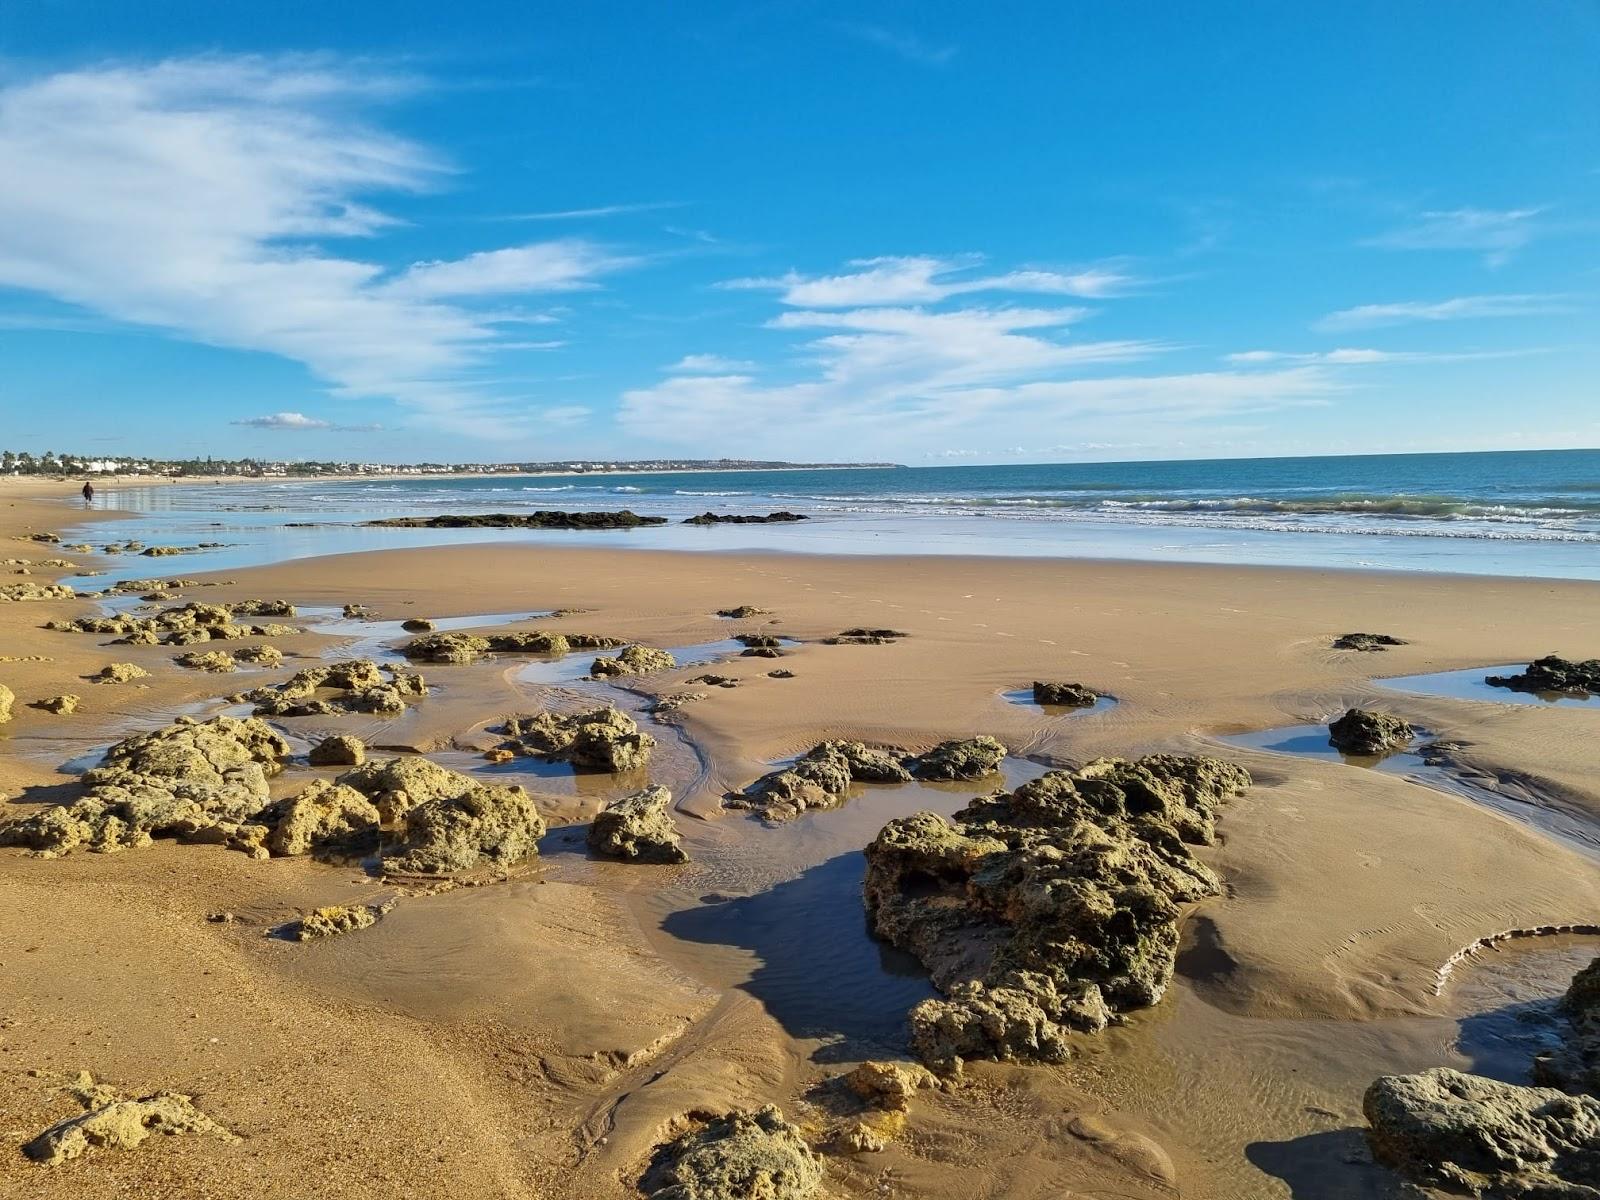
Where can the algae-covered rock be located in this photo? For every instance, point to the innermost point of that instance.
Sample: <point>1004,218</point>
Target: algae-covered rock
<point>743,612</point>
<point>341,750</point>
<point>1362,732</point>
<point>1467,1134</point>
<point>322,817</point>
<point>597,739</point>
<point>1554,674</point>
<point>542,519</point>
<point>638,828</point>
<point>1366,642</point>
<point>966,758</point>
<point>174,781</point>
<point>483,826</point>
<point>1048,908</point>
<point>741,1156</point>
<point>120,673</point>
<point>860,636</point>
<point>117,1124</point>
<point>417,625</point>
<point>633,660</point>
<point>1070,695</point>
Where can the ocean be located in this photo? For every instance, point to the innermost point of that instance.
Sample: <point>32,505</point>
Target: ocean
<point>1530,513</point>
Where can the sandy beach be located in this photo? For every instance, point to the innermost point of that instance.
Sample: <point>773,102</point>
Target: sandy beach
<point>545,1033</point>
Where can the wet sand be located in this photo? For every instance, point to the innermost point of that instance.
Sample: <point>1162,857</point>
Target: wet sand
<point>540,1036</point>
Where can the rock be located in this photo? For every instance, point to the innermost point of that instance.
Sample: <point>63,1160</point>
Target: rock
<point>759,641</point>
<point>780,674</point>
<point>466,647</point>
<point>417,625</point>
<point>743,612</point>
<point>7,699</point>
<point>352,685</point>
<point>741,1156</point>
<point>120,673</point>
<point>356,612</point>
<point>1367,642</point>
<point>1362,732</point>
<point>161,551</point>
<point>498,755</point>
<point>889,1085</point>
<point>633,660</point>
<point>400,784</point>
<point>484,825</point>
<point>215,661</point>
<point>1072,695</point>
<point>668,705</point>
<point>1465,1133</point>
<point>177,781</point>
<point>62,706</point>
<point>819,778</point>
<point>638,828</point>
<point>761,652</point>
<point>184,624</point>
<point>323,817</point>
<point>1554,674</point>
<point>1048,908</point>
<point>342,750</point>
<point>865,637</point>
<point>334,920</point>
<point>1576,1066</point>
<point>116,1124</point>
<point>722,681</point>
<point>773,518</point>
<point>597,739</point>
<point>543,519</point>
<point>968,758</point>
<point>36,591</point>
<point>260,656</point>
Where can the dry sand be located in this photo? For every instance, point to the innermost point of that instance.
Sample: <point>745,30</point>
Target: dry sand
<point>538,1037</point>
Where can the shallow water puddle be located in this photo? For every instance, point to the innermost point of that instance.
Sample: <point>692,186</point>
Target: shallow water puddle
<point>376,639</point>
<point>574,667</point>
<point>1469,685</point>
<point>1023,697</point>
<point>1509,997</point>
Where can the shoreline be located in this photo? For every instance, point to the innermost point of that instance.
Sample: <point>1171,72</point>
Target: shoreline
<point>493,1009</point>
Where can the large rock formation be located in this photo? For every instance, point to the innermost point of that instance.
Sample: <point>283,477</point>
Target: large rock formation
<point>781,517</point>
<point>1467,1134</point>
<point>174,781</point>
<point>597,739</point>
<point>741,1156</point>
<point>542,519</point>
<point>1047,908</point>
<point>638,828</point>
<point>1554,674</point>
<point>187,623</point>
<point>354,685</point>
<point>461,648</point>
<point>633,660</point>
<point>324,817</point>
<point>1362,732</point>
<point>819,778</point>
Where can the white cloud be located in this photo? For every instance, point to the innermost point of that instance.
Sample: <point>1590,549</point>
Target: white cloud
<point>922,279</point>
<point>603,210</point>
<point>906,380</point>
<point>1460,308</point>
<point>1496,233</point>
<point>710,364</point>
<point>1363,357</point>
<point>198,196</point>
<point>902,42</point>
<point>300,422</point>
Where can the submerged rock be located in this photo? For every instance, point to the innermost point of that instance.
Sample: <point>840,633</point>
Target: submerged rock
<point>638,828</point>
<point>741,1156</point>
<point>781,517</point>
<point>1048,908</point>
<point>542,519</point>
<point>597,739</point>
<point>341,750</point>
<point>1363,732</point>
<point>1367,642</point>
<point>1554,674</point>
<point>819,778</point>
<point>967,758</point>
<point>1465,1133</point>
<point>120,673</point>
<point>176,781</point>
<point>1071,695</point>
<point>633,660</point>
<point>117,1124</point>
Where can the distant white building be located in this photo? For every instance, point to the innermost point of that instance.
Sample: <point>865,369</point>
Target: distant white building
<point>102,466</point>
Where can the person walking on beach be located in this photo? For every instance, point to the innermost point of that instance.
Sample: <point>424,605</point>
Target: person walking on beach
<point>88,493</point>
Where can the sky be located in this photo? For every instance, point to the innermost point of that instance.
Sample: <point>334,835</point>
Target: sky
<point>919,232</point>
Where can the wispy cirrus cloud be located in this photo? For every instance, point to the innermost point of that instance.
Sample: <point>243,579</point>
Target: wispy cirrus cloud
<point>924,279</point>
<point>1365,357</point>
<point>300,423</point>
<point>199,196</point>
<point>710,364</point>
<point>904,43</point>
<point>601,210</point>
<point>1496,233</point>
<point>1459,308</point>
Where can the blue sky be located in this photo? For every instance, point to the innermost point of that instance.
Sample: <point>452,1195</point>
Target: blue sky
<point>924,232</point>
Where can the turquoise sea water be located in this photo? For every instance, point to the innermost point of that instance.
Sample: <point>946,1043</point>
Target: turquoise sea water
<point>1534,513</point>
